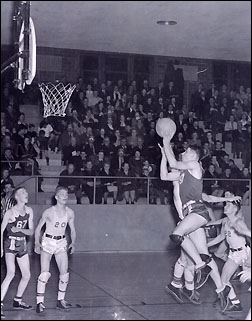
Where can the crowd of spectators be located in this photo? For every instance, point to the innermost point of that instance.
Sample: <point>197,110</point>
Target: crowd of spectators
<point>109,130</point>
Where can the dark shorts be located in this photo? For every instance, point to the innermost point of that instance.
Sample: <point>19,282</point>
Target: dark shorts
<point>16,247</point>
<point>199,209</point>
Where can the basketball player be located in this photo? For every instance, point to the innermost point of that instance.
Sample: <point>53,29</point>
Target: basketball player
<point>246,276</point>
<point>184,264</point>
<point>235,231</point>
<point>194,210</point>
<point>54,243</point>
<point>18,223</point>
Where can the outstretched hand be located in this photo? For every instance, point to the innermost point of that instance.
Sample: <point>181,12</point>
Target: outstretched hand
<point>245,276</point>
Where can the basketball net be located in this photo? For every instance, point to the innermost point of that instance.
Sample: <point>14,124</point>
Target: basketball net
<point>55,98</point>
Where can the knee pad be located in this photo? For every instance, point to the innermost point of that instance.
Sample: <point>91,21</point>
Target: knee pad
<point>206,258</point>
<point>44,277</point>
<point>177,239</point>
<point>64,278</point>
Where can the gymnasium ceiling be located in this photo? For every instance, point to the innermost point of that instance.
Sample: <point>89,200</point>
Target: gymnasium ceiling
<point>205,29</point>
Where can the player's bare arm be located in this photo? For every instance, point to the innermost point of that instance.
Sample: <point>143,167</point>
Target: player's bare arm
<point>216,199</point>
<point>41,223</point>
<point>6,219</point>
<point>72,229</point>
<point>165,175</point>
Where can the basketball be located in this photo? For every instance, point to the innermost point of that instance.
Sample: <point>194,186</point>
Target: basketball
<point>165,126</point>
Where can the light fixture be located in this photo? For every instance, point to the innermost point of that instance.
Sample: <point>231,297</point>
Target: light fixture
<point>167,22</point>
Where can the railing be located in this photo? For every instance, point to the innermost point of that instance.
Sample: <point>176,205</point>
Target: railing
<point>148,189</point>
<point>17,166</point>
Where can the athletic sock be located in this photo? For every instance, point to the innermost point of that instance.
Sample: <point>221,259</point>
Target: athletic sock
<point>18,299</point>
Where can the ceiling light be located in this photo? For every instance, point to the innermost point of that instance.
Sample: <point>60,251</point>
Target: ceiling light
<point>167,23</point>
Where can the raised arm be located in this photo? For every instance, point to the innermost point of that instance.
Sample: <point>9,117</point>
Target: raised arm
<point>192,165</point>
<point>73,231</point>
<point>164,174</point>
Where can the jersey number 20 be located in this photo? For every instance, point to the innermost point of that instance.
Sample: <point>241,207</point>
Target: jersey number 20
<point>62,224</point>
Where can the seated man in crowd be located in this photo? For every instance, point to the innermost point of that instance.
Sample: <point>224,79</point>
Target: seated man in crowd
<point>72,184</point>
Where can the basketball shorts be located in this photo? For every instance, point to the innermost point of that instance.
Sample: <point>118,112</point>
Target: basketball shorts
<point>197,208</point>
<point>240,257</point>
<point>16,246</point>
<point>52,246</point>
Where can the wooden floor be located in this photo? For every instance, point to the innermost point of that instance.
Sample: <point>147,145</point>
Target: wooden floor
<point>120,287</point>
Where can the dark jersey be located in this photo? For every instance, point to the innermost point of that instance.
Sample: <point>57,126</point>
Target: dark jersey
<point>20,222</point>
<point>190,188</point>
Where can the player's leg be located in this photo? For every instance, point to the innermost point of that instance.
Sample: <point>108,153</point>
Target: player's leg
<point>10,273</point>
<point>188,290</point>
<point>62,262</point>
<point>188,225</point>
<point>228,270</point>
<point>222,290</point>
<point>174,287</point>
<point>24,266</point>
<point>221,251</point>
<point>45,259</point>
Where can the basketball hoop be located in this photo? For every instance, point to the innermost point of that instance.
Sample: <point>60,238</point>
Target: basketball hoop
<point>55,98</point>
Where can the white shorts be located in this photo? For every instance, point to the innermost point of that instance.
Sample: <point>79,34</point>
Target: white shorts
<point>52,246</point>
<point>240,257</point>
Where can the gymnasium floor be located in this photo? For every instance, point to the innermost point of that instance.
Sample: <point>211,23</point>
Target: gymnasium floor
<point>120,286</point>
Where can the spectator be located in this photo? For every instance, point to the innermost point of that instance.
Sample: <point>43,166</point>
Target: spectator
<point>90,148</point>
<point>216,164</point>
<point>228,183</point>
<point>108,148</point>
<point>236,173</point>
<point>221,120</point>
<point>99,161</point>
<point>18,138</point>
<point>53,144</point>
<point>7,142</point>
<point>133,139</point>
<point>42,142</point>
<point>136,163</point>
<point>212,187</point>
<point>128,184</point>
<point>230,127</point>
<point>65,138</point>
<point>109,184</point>
<point>206,155</point>
<point>195,140</point>
<point>239,141</point>
<point>88,184</point>
<point>8,160</point>
<point>21,120</point>
<point>5,179</point>
<point>72,184</point>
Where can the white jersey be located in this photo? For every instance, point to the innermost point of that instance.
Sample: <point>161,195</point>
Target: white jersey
<point>56,224</point>
<point>234,239</point>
